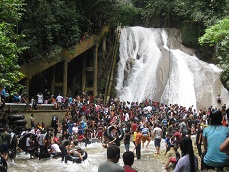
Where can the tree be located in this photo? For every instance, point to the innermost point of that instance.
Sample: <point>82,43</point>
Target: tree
<point>218,36</point>
<point>49,25</point>
<point>11,12</point>
<point>202,11</point>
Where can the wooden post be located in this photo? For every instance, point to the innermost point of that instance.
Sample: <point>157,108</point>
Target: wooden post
<point>84,73</point>
<point>104,47</point>
<point>53,80</point>
<point>95,84</point>
<point>65,78</point>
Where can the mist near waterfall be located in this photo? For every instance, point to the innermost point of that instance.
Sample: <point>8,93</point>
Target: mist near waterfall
<point>155,65</point>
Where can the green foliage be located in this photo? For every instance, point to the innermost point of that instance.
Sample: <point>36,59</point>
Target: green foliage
<point>171,13</point>
<point>218,35</point>
<point>203,11</point>
<point>126,15</point>
<point>11,12</point>
<point>158,13</point>
<point>48,26</point>
<point>190,32</point>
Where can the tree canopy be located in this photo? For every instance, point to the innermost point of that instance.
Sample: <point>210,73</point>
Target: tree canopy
<point>10,13</point>
<point>218,36</point>
<point>50,25</point>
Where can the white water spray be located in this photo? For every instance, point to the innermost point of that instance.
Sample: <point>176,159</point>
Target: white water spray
<point>155,65</point>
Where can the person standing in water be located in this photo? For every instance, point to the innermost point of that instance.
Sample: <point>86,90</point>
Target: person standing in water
<point>138,143</point>
<point>127,140</point>
<point>157,134</point>
<point>5,138</point>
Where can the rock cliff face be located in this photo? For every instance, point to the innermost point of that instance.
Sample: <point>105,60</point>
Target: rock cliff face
<point>155,65</point>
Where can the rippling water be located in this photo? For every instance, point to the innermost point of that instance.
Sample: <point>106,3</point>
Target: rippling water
<point>96,155</point>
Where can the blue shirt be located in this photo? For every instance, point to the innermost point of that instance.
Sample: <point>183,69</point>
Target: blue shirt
<point>3,92</point>
<point>70,125</point>
<point>167,141</point>
<point>215,135</point>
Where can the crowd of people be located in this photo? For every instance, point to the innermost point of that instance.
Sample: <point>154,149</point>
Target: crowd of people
<point>214,136</point>
<point>88,118</point>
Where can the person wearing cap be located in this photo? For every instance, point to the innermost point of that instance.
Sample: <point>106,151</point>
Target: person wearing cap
<point>113,155</point>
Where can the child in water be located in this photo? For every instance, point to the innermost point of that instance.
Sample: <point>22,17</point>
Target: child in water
<point>173,160</point>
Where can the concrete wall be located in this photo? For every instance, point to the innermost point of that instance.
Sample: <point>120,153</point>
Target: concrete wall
<point>43,116</point>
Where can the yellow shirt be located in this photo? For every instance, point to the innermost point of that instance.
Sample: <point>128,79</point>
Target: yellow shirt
<point>134,137</point>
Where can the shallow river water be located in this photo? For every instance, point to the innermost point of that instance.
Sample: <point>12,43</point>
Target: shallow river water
<point>96,155</point>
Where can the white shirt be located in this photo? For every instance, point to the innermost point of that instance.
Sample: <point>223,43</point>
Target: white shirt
<point>127,117</point>
<point>75,129</point>
<point>27,141</point>
<point>59,99</point>
<point>157,132</point>
<point>183,165</point>
<point>55,148</point>
<point>40,98</point>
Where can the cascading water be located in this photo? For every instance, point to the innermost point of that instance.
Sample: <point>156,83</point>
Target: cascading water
<point>155,65</point>
<point>96,156</point>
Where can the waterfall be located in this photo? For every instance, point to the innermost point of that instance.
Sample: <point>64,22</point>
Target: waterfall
<point>155,65</point>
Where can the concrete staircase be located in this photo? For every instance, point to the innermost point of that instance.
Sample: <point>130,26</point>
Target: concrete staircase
<point>31,69</point>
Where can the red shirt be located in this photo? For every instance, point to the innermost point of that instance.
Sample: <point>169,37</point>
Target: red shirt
<point>127,168</point>
<point>134,127</point>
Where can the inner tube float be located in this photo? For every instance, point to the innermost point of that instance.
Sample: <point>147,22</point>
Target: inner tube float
<point>77,159</point>
<point>19,122</point>
<point>15,117</point>
<point>29,149</point>
<point>12,146</point>
<point>20,128</point>
<point>110,133</point>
